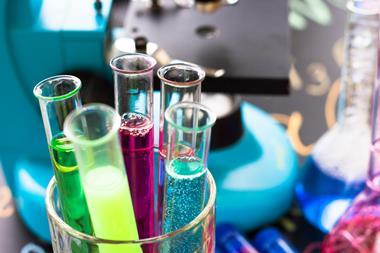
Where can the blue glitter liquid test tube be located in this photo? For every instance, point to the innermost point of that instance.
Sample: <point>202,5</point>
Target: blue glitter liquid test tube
<point>189,132</point>
<point>229,240</point>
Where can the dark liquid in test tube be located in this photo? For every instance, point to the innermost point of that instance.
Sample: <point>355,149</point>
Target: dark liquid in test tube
<point>136,137</point>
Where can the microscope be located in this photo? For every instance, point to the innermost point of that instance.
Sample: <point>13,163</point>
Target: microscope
<point>242,45</point>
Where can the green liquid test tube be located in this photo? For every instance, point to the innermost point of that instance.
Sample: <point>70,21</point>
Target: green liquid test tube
<point>74,206</point>
<point>58,96</point>
<point>93,130</point>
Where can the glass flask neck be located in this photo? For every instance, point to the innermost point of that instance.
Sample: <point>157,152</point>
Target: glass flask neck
<point>360,67</point>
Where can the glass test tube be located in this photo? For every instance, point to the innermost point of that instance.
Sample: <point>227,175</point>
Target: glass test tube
<point>189,132</point>
<point>133,77</point>
<point>58,96</point>
<point>229,239</point>
<point>93,130</point>
<point>179,82</point>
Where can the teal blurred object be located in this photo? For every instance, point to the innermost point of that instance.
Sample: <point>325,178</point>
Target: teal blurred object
<point>255,177</point>
<point>40,39</point>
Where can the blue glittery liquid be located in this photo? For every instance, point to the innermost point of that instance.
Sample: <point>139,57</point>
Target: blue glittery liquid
<point>184,199</point>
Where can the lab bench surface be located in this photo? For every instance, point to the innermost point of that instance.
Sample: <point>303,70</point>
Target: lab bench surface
<point>317,49</point>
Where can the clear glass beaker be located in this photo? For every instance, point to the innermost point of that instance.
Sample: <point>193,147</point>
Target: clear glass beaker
<point>93,130</point>
<point>179,82</point>
<point>58,96</point>
<point>336,170</point>
<point>189,132</point>
<point>133,79</point>
<point>63,236</point>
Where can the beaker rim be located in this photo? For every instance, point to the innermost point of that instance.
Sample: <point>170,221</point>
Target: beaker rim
<point>37,90</point>
<point>54,217</point>
<point>192,105</point>
<point>182,65</point>
<point>70,134</point>
<point>150,60</point>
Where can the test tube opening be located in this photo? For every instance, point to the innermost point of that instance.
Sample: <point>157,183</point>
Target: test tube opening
<point>133,63</point>
<point>181,74</point>
<point>190,117</point>
<point>189,136</point>
<point>57,87</point>
<point>92,125</point>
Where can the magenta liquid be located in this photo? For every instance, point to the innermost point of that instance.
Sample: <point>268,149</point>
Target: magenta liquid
<point>358,231</point>
<point>136,138</point>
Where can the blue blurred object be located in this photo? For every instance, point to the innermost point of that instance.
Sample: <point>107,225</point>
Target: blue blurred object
<point>40,39</point>
<point>255,174</point>
<point>270,240</point>
<point>218,250</point>
<point>230,240</point>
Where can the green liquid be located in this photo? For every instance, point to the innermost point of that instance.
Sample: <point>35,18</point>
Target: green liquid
<point>73,202</point>
<point>111,208</point>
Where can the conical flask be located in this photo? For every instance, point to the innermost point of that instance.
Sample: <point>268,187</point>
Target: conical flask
<point>336,170</point>
<point>358,230</point>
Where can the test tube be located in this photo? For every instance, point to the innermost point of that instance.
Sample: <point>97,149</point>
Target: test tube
<point>189,134</point>
<point>58,96</point>
<point>93,130</point>
<point>133,78</point>
<point>270,240</point>
<point>230,240</point>
<point>179,82</point>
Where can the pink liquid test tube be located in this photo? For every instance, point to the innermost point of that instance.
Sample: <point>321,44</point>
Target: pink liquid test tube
<point>133,79</point>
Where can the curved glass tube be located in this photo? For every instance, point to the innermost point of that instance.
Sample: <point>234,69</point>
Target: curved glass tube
<point>58,96</point>
<point>133,78</point>
<point>179,82</point>
<point>189,133</point>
